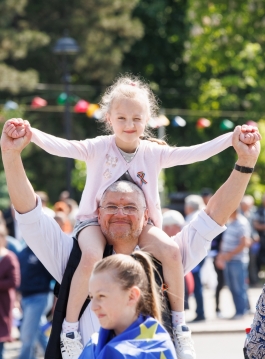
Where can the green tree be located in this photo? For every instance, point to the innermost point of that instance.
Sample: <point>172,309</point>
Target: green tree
<point>224,54</point>
<point>16,41</point>
<point>105,31</point>
<point>224,71</point>
<point>157,56</point>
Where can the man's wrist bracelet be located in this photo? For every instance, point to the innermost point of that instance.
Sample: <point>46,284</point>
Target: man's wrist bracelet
<point>243,169</point>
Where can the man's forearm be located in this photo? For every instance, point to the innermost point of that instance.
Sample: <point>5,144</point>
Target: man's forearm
<point>20,189</point>
<point>227,199</point>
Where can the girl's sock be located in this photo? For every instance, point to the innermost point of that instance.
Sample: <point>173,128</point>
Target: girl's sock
<point>178,318</point>
<point>69,327</point>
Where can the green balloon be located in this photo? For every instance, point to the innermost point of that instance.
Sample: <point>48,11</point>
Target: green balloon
<point>226,125</point>
<point>62,98</point>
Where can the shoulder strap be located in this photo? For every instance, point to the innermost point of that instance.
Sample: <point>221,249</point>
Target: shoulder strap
<point>166,309</point>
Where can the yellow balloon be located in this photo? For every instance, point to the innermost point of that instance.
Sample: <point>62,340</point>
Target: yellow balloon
<point>163,120</point>
<point>92,108</point>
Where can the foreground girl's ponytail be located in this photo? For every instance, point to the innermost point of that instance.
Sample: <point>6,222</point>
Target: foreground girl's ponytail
<point>150,301</point>
<point>135,270</point>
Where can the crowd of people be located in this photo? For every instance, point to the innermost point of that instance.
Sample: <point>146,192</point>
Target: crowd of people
<point>120,213</point>
<point>25,284</point>
<point>236,253</point>
<point>32,284</point>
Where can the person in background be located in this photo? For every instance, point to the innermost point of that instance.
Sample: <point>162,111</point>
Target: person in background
<point>234,256</point>
<point>61,209</point>
<point>11,223</point>
<point>45,200</point>
<point>219,269</point>
<point>259,225</point>
<point>248,210</point>
<point>73,210</point>
<point>192,206</point>
<point>64,195</point>
<point>206,194</point>
<point>12,244</point>
<point>173,222</point>
<point>61,219</point>
<point>9,281</point>
<point>34,289</point>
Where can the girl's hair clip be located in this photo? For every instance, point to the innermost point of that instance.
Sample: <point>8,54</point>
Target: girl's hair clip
<point>132,84</point>
<point>164,287</point>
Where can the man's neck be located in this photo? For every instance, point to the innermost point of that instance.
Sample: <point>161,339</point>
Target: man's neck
<point>124,248</point>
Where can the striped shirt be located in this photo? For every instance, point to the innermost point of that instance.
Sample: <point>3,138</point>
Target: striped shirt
<point>232,237</point>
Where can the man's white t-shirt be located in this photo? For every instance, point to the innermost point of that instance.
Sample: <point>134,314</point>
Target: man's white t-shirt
<point>53,247</point>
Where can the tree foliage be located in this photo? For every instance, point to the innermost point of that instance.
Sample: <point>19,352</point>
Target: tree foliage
<point>224,54</point>
<point>104,30</point>
<point>17,39</point>
<point>157,56</point>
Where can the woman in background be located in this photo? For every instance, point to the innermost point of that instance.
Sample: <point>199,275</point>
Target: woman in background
<point>9,281</point>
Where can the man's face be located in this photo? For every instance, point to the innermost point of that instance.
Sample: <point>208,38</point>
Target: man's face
<point>119,226</point>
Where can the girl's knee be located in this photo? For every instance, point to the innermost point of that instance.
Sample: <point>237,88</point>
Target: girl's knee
<point>171,252</point>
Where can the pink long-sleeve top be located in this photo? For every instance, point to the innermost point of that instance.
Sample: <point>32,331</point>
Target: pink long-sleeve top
<point>105,165</point>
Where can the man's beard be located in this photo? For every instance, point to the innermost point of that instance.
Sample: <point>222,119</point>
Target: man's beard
<point>114,236</point>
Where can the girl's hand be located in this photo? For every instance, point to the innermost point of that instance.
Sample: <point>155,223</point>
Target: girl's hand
<point>249,134</point>
<point>16,127</point>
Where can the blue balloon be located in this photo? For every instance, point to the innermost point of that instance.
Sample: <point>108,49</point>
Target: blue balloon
<point>10,105</point>
<point>178,122</point>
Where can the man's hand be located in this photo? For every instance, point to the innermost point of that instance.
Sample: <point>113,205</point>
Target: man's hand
<point>247,153</point>
<point>16,135</point>
<point>21,192</point>
<point>226,200</point>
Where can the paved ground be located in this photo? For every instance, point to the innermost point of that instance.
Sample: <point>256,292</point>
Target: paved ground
<point>214,324</point>
<point>214,338</point>
<point>219,345</point>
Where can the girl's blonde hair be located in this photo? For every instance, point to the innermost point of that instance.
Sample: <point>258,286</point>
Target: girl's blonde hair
<point>135,270</point>
<point>132,87</point>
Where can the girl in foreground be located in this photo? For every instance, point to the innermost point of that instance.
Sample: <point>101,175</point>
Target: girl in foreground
<point>125,298</point>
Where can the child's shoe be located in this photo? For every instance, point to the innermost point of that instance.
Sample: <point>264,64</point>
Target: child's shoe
<point>71,346</point>
<point>183,342</point>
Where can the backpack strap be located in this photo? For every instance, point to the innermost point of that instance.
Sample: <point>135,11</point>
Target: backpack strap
<point>61,291</point>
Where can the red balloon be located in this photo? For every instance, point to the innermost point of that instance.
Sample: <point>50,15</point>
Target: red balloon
<point>203,122</point>
<point>38,102</point>
<point>81,106</point>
